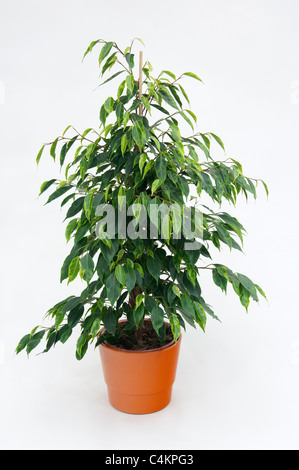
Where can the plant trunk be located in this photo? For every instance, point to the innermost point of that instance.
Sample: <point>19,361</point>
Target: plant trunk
<point>139,336</point>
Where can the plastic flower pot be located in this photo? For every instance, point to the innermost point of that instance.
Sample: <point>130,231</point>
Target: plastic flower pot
<point>140,382</point>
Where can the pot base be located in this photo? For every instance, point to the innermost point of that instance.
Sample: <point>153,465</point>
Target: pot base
<point>140,404</point>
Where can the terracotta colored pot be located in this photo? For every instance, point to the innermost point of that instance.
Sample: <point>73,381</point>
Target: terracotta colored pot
<point>140,381</point>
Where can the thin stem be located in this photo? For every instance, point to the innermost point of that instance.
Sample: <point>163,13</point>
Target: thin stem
<point>120,63</point>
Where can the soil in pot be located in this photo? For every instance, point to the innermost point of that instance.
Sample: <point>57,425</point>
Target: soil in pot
<point>146,339</point>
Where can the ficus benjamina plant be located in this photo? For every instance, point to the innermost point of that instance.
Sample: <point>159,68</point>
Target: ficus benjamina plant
<point>137,157</point>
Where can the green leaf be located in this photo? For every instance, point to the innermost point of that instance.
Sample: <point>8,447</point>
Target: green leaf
<point>165,227</point>
<point>138,268</point>
<point>58,192</point>
<point>176,290</point>
<point>224,235</point>
<point>130,83</point>
<point>138,314</point>
<point>206,140</point>
<point>67,199</point>
<point>175,326</point>
<point>65,148</point>
<point>260,290</point>
<point>105,51</point>
<point>66,129</point>
<point>176,219</point>
<point>130,277</point>
<point>173,90</point>
<point>130,60</point>
<point>139,300</point>
<point>199,188</point>
<point>90,47</point>
<point>157,318</point>
<point>222,270</point>
<point>65,267</point>
<point>109,62</point>
<point>113,288</point>
<point>75,316</point>
<point>231,220</point>
<point>146,104</point>
<point>266,187</point>
<point>208,310</point>
<point>34,341</point>
<point>187,305</point>
<point>200,315</point>
<point>147,168</point>
<point>252,187</point>
<point>140,40</point>
<point>119,111</point>
<point>39,154</point>
<point>244,296</point>
<point>219,188</point>
<point>156,185</point>
<point>112,77</point>
<point>219,280</point>
<point>187,119</point>
<point>108,105</point>
<point>247,283</point>
<point>95,327</point>
<point>154,267</point>
<point>109,252</point>
<point>160,108</point>
<point>172,75</point>
<point>168,98</point>
<point>59,316</point>
<point>74,268</point>
<point>137,134</point>
<point>142,161</point>
<point>193,75</point>
<point>170,294</point>
<point>88,202</point>
<point>120,274</point>
<point>150,303</point>
<point>161,168</point>
<point>65,333</point>
<point>184,94</point>
<point>218,140</point>
<point>87,268</point>
<point>192,114</point>
<point>110,322</point>
<point>80,344</point>
<point>124,143</point>
<point>121,88</point>
<point>46,185</point>
<point>76,207</point>
<point>175,132</point>
<point>51,339</point>
<point>23,343</point>
<point>103,115</point>
<point>53,149</point>
<point>71,303</point>
<point>126,118</point>
<point>81,232</point>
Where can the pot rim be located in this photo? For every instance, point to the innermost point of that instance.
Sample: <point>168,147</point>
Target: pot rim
<point>136,351</point>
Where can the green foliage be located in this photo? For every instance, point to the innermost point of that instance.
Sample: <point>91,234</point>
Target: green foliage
<point>145,158</point>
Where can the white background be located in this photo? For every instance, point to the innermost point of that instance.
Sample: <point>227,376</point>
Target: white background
<point>237,385</point>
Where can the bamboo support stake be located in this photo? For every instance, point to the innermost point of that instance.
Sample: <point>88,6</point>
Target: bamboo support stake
<point>140,79</point>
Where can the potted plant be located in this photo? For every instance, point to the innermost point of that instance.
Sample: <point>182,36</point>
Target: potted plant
<point>140,236</point>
